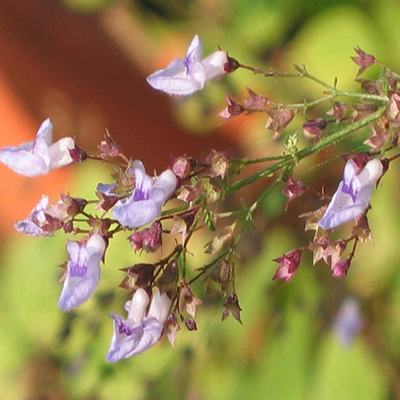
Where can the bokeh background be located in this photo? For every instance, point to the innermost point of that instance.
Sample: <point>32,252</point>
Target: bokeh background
<point>83,63</point>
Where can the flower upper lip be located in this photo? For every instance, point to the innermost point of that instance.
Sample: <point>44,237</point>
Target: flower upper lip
<point>141,330</point>
<point>40,156</point>
<point>353,195</point>
<point>83,271</point>
<point>189,75</point>
<point>146,201</point>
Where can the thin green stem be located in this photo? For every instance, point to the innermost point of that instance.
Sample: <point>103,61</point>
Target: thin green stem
<point>269,73</point>
<point>245,162</point>
<point>204,269</point>
<point>266,193</point>
<point>303,73</point>
<point>322,144</point>
<point>340,134</point>
<point>365,96</point>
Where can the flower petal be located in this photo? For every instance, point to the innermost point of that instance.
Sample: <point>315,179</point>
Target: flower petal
<point>29,226</point>
<point>167,181</point>
<point>152,330</point>
<point>353,195</point>
<point>195,49</point>
<point>135,214</point>
<point>214,65</point>
<point>174,84</point>
<point>60,153</point>
<point>83,272</point>
<point>38,157</point>
<point>45,131</point>
<point>159,307</point>
<point>23,161</point>
<point>124,339</point>
<point>182,77</point>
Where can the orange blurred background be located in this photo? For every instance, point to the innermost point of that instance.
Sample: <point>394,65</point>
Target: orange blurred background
<point>87,73</point>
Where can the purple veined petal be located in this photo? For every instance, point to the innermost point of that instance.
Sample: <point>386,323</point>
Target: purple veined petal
<point>60,153</point>
<point>187,76</point>
<point>30,158</point>
<point>341,209</point>
<point>196,72</point>
<point>194,51</point>
<point>214,65</point>
<point>143,185</point>
<point>42,150</point>
<point>124,340</point>
<point>179,86</point>
<point>334,219</point>
<point>105,188</point>
<point>353,195</point>
<point>176,68</point>
<point>139,332</point>
<point>152,330</point>
<point>349,172</point>
<point>178,79</point>
<point>83,272</point>
<point>351,183</point>
<point>22,160</point>
<point>45,132</point>
<point>135,214</point>
<point>146,201</point>
<point>28,226</point>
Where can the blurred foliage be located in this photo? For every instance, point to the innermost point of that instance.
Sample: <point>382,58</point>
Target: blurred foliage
<point>286,348</point>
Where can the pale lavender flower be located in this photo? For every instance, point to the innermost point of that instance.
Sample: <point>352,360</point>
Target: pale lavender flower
<point>185,76</point>
<point>43,220</point>
<point>348,322</point>
<point>83,271</point>
<point>147,199</point>
<point>353,195</point>
<point>39,156</point>
<point>140,330</point>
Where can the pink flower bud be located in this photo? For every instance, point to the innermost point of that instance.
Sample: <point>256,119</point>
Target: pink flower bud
<point>231,307</point>
<point>363,60</point>
<point>288,264</point>
<point>314,128</point>
<point>339,270</point>
<point>149,239</point>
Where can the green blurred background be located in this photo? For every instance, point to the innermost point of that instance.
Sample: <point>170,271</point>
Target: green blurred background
<point>83,63</point>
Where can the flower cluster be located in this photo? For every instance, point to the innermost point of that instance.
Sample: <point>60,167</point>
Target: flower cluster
<point>162,293</point>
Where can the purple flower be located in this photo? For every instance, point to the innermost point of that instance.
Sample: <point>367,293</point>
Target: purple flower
<point>42,221</point>
<point>348,322</point>
<point>186,76</point>
<point>39,156</point>
<point>140,330</point>
<point>83,271</point>
<point>353,194</point>
<point>147,199</point>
